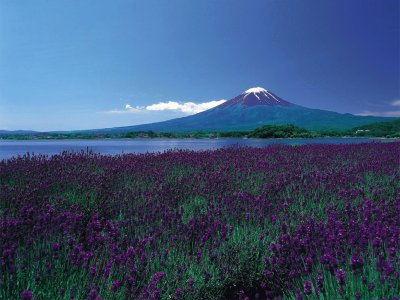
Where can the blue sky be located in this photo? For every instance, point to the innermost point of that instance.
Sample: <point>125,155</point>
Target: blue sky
<point>93,64</point>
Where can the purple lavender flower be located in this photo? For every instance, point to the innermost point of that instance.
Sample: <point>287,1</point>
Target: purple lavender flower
<point>298,295</point>
<point>364,280</point>
<point>273,247</point>
<point>371,286</point>
<point>268,274</point>
<point>307,287</point>
<point>190,283</point>
<point>340,276</point>
<point>308,264</point>
<point>320,280</point>
<point>92,270</point>
<point>178,294</point>
<point>26,295</point>
<point>56,246</point>
<point>115,285</point>
<point>7,252</point>
<point>356,262</point>
<point>93,294</point>
<point>242,295</point>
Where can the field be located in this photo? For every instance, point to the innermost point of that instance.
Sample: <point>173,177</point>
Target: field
<point>284,222</point>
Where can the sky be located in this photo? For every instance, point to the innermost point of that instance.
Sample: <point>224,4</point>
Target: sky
<point>67,65</point>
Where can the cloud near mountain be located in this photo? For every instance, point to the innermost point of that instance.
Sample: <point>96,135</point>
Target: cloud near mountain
<point>391,113</point>
<point>188,108</point>
<point>396,102</point>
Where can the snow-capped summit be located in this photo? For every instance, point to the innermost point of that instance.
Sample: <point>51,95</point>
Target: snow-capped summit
<point>255,96</point>
<point>255,90</point>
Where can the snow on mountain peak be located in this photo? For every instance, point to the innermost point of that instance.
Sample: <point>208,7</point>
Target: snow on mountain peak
<point>256,90</point>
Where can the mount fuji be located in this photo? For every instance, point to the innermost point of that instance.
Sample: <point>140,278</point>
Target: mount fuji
<point>255,96</point>
<point>251,109</point>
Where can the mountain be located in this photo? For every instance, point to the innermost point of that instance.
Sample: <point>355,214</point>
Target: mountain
<point>17,132</point>
<point>254,97</point>
<point>251,109</point>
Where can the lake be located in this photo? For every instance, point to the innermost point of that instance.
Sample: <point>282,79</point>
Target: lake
<point>10,148</point>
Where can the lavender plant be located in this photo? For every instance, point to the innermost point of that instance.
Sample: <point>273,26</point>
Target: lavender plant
<point>282,222</point>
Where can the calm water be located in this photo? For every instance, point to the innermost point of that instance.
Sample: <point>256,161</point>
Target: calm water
<point>9,148</point>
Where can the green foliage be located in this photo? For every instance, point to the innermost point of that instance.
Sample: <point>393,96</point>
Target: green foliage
<point>192,208</point>
<point>355,283</point>
<point>280,131</point>
<point>380,129</point>
<point>389,129</point>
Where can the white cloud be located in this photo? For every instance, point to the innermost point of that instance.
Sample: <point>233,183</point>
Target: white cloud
<point>396,102</point>
<point>390,113</point>
<point>128,109</point>
<point>188,108</point>
<point>393,113</point>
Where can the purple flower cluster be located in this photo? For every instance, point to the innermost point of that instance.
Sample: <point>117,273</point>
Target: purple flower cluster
<point>235,223</point>
<point>26,295</point>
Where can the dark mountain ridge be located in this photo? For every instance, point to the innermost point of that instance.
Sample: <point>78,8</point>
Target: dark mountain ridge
<point>251,109</point>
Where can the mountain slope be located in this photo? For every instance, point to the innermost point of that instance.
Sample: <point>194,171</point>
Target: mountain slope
<point>251,109</point>
<point>17,132</point>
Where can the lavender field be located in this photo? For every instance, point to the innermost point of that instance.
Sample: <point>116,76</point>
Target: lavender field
<point>281,222</point>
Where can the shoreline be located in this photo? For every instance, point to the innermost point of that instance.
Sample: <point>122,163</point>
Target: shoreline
<point>195,138</point>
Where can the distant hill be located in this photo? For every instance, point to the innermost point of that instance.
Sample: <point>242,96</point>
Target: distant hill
<point>251,109</point>
<point>17,132</point>
<point>279,131</point>
<point>389,129</point>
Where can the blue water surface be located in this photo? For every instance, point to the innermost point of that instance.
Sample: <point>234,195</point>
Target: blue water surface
<point>10,148</point>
